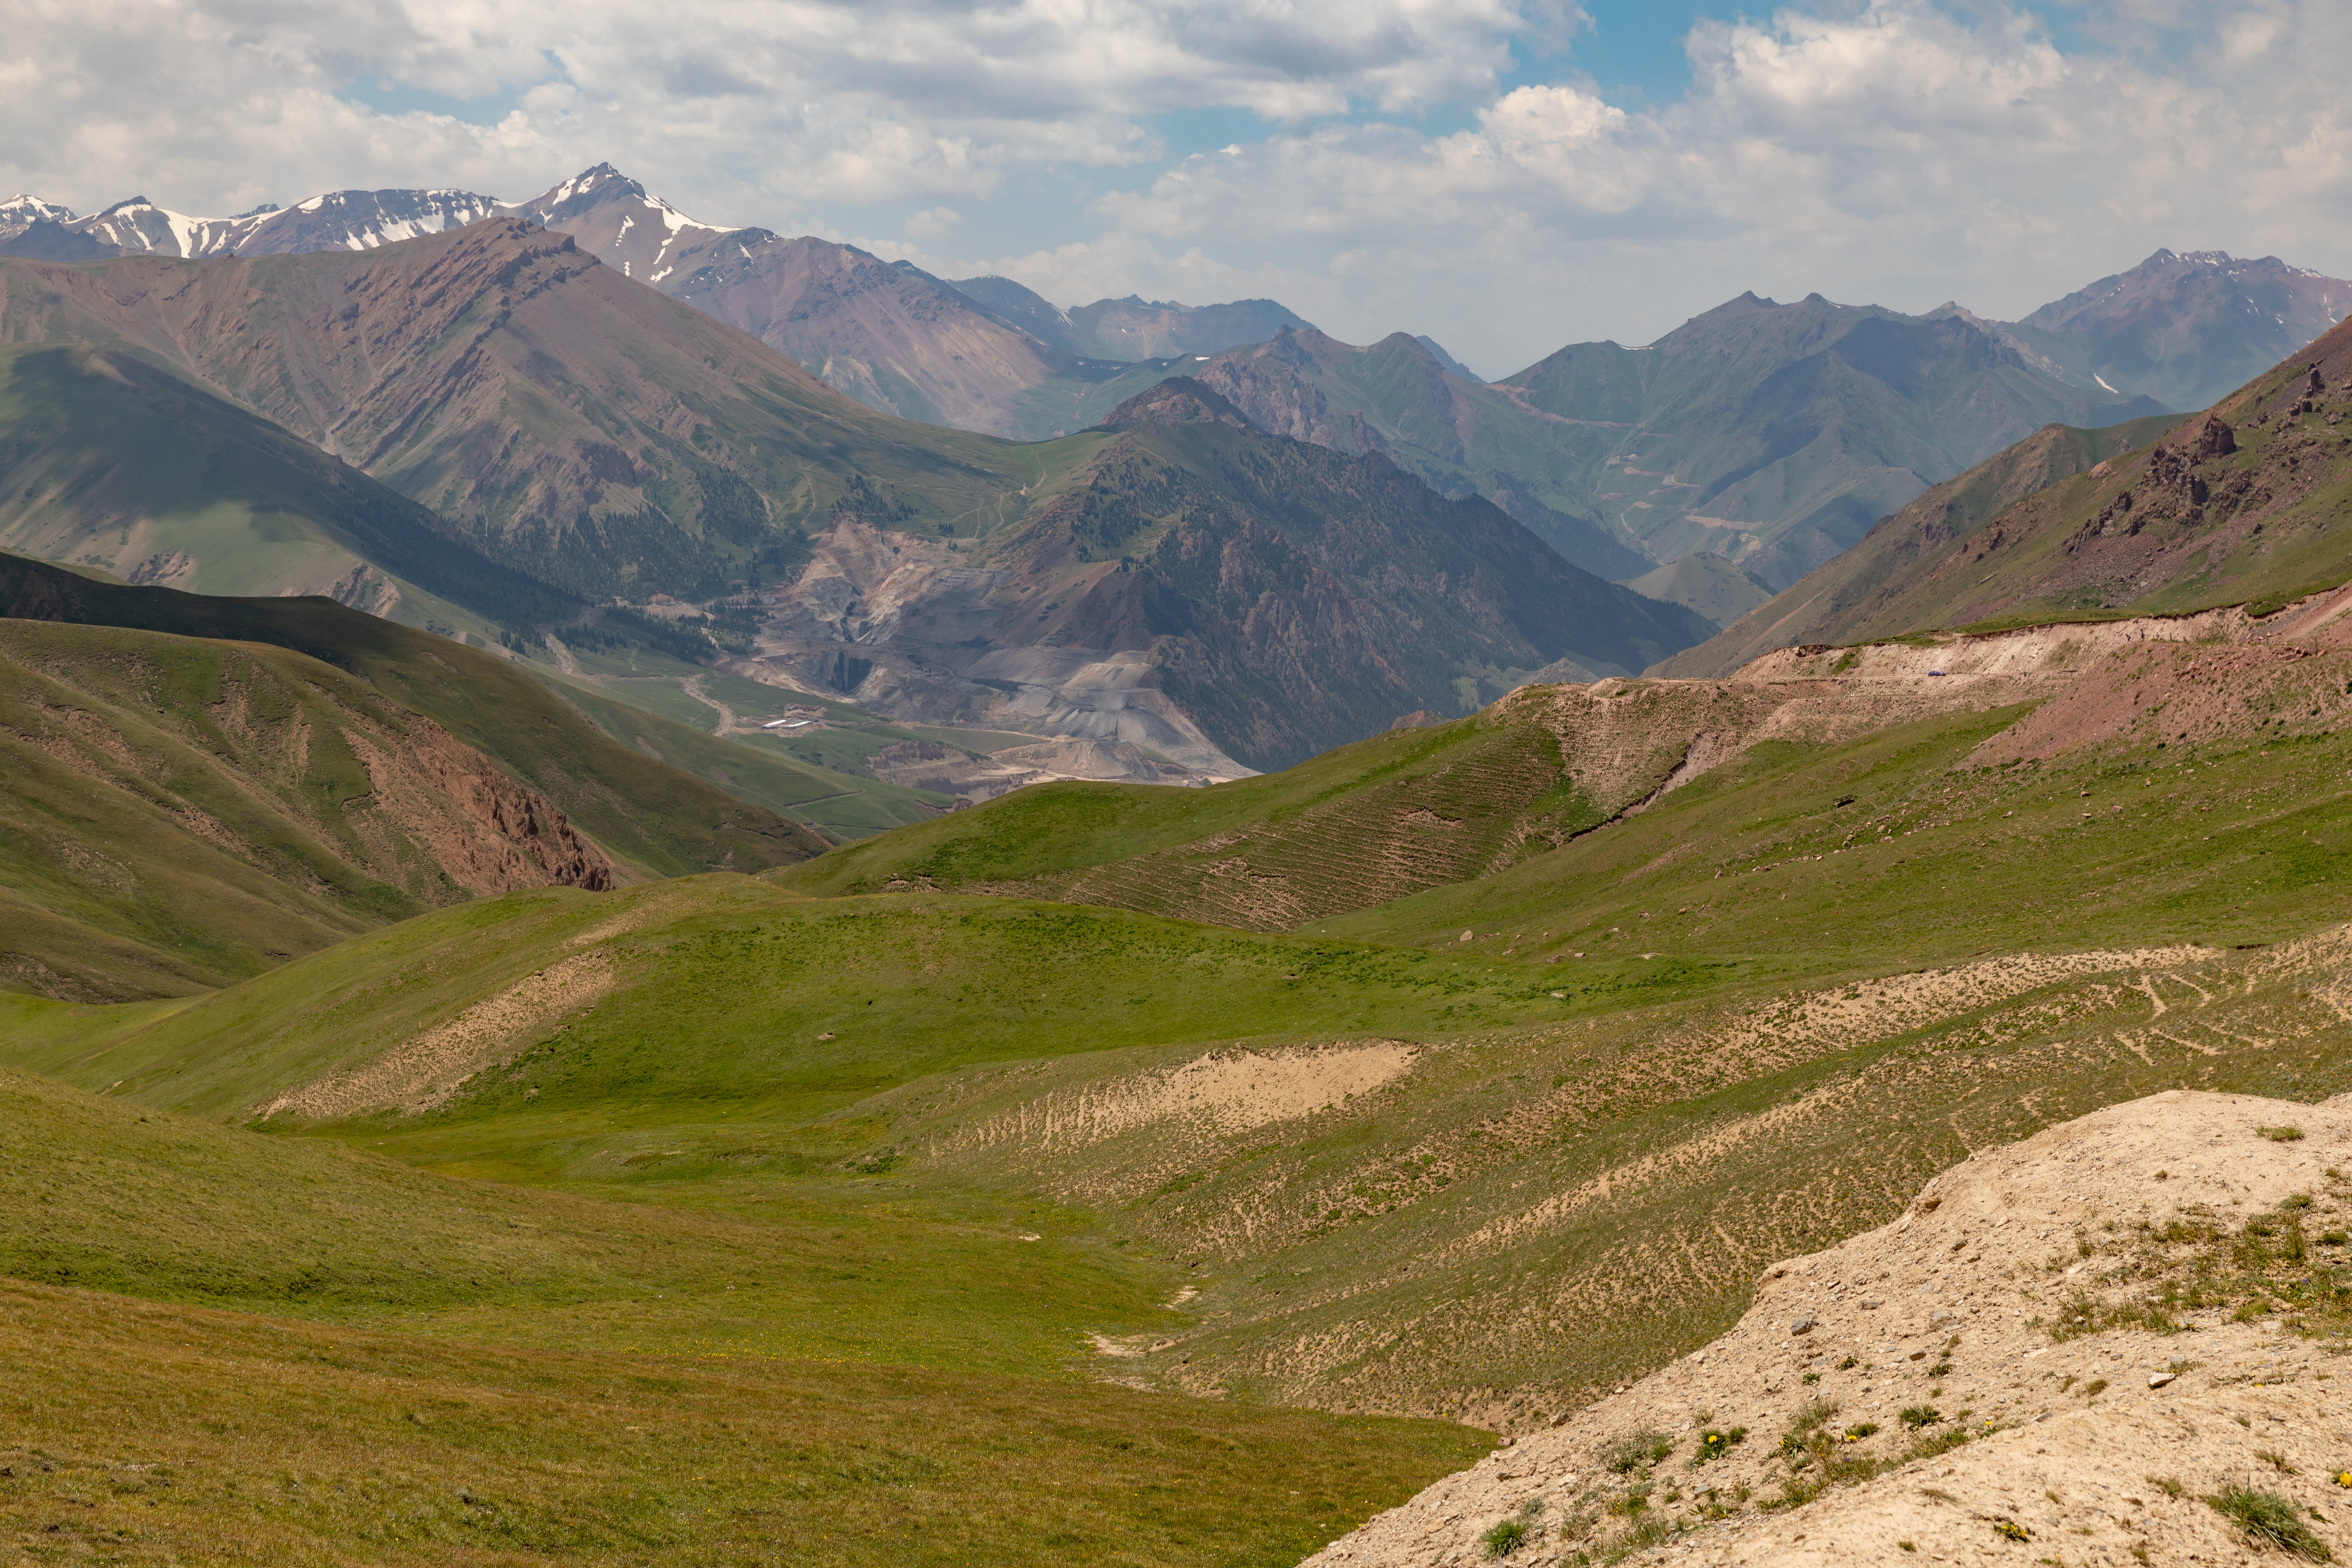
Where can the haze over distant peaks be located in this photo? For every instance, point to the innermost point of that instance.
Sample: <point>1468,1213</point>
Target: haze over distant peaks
<point>2185,330</point>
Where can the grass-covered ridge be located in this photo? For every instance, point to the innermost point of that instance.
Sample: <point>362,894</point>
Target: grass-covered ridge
<point>1714,973</point>
<point>1043,838</point>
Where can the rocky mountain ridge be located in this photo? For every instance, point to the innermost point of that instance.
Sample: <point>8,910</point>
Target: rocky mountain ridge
<point>2184,329</point>
<point>1230,599</point>
<point>888,334</point>
<point>2238,504</point>
<point>574,426</point>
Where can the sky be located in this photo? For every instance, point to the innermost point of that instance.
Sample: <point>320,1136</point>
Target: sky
<point>1505,175</point>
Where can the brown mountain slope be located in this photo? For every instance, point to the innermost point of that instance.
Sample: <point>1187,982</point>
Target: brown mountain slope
<point>1815,608</point>
<point>181,813</point>
<point>2184,329</point>
<point>662,821</point>
<point>586,430</point>
<point>1136,329</point>
<point>2249,500</point>
<point>890,336</point>
<point>1282,597</point>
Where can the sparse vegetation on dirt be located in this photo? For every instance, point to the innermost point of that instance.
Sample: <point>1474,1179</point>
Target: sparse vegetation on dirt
<point>1637,1452</point>
<point>2270,1520</point>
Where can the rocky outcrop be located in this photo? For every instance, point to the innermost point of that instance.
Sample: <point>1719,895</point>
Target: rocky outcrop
<point>486,833</point>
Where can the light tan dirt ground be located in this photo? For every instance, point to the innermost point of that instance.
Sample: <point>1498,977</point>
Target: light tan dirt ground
<point>428,1070</point>
<point>2068,1432</point>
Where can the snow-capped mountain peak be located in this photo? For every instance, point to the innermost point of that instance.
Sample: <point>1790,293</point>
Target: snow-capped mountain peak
<point>611,215</point>
<point>20,210</point>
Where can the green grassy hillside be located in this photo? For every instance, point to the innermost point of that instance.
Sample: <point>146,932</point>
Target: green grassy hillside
<point>1368,823</point>
<point>1358,825</point>
<point>705,997</point>
<point>656,817</point>
<point>1859,939</point>
<point>488,1372</point>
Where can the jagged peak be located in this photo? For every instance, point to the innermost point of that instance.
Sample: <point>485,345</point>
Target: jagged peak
<point>25,203</point>
<point>1179,400</point>
<point>593,181</point>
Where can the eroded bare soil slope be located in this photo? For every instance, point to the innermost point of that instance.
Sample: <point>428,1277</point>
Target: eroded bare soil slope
<point>2079,1343</point>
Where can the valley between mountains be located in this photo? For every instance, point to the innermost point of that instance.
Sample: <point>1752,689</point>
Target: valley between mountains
<point>642,922</point>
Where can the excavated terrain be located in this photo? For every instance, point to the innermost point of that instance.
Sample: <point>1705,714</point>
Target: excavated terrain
<point>2041,1353</point>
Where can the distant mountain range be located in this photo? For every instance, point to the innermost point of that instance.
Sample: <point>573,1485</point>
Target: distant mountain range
<point>984,354</point>
<point>2243,504</point>
<point>2183,329</point>
<point>491,417</point>
<point>1773,435</point>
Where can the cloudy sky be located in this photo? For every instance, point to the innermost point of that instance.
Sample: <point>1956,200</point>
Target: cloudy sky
<point>1506,175</point>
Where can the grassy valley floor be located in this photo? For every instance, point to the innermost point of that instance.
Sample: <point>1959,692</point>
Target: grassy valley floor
<point>933,1200</point>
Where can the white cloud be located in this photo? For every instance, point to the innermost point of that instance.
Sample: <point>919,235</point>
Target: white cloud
<point>723,105</point>
<point>1895,153</point>
<point>1899,152</point>
<point>933,223</point>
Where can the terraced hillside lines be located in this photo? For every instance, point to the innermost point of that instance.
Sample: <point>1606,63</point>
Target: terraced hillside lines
<point>1463,1241</point>
<point>655,819</point>
<point>2243,504</point>
<point>185,813</point>
<point>1696,1139</point>
<point>1484,805</point>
